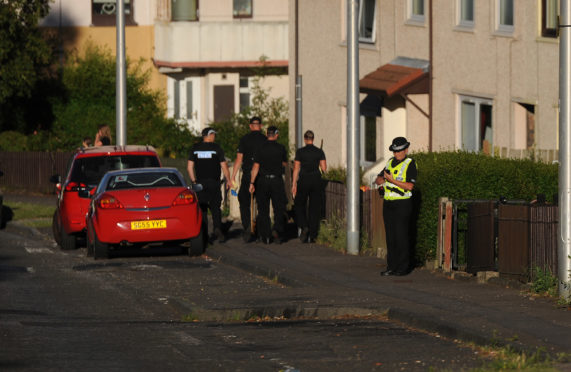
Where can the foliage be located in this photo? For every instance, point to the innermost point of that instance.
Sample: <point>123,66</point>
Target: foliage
<point>544,282</point>
<point>13,141</point>
<point>25,57</point>
<point>333,233</point>
<point>463,175</point>
<point>339,174</point>
<point>89,82</point>
<point>273,111</point>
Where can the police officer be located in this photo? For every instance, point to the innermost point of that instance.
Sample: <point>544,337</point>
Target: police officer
<point>205,161</point>
<point>307,184</point>
<point>398,179</point>
<point>269,163</point>
<point>248,145</point>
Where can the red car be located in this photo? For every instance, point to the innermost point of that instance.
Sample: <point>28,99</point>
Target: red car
<point>86,169</point>
<point>141,206</point>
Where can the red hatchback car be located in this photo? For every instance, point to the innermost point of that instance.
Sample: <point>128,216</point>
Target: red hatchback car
<point>86,168</point>
<point>134,207</point>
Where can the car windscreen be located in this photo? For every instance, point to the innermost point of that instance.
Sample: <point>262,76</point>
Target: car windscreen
<point>142,180</point>
<point>90,170</point>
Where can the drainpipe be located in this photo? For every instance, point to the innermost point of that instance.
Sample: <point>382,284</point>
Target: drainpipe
<point>430,58</point>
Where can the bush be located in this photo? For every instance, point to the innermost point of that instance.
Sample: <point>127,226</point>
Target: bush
<point>463,175</point>
<point>13,141</point>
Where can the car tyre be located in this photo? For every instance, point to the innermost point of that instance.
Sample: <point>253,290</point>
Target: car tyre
<point>68,242</point>
<point>56,227</point>
<point>197,245</point>
<point>100,250</point>
<point>89,243</point>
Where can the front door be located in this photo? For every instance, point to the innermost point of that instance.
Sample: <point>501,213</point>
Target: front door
<point>223,102</point>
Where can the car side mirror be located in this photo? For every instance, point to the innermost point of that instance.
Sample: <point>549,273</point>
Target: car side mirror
<point>1,173</point>
<point>56,178</point>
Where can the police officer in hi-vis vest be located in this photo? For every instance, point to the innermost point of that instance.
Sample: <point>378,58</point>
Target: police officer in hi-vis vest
<point>398,179</point>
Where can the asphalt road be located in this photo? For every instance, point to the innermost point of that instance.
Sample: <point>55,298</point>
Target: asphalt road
<point>153,310</point>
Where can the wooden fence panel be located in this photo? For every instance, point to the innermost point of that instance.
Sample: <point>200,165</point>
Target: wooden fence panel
<point>31,171</point>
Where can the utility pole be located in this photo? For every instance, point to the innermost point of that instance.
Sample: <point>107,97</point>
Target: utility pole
<point>564,243</point>
<point>353,221</point>
<point>120,76</point>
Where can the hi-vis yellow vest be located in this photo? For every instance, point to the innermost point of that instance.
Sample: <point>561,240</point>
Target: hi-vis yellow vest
<point>392,191</point>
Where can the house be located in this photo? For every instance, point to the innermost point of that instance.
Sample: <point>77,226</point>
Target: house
<point>471,75</point>
<point>210,50</point>
<point>202,54</point>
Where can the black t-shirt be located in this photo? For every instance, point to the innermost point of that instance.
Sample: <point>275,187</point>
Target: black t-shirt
<point>248,146</point>
<point>207,157</point>
<point>270,156</point>
<point>309,157</point>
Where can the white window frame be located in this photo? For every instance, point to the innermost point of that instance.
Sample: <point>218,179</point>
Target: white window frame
<point>416,18</point>
<point>192,119</point>
<point>460,6</point>
<point>245,90</point>
<point>477,102</point>
<point>504,28</point>
<point>363,39</point>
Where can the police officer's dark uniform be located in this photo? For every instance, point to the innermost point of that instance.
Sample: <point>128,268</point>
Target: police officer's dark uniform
<point>398,179</point>
<point>248,145</point>
<point>307,185</point>
<point>205,161</point>
<point>269,162</point>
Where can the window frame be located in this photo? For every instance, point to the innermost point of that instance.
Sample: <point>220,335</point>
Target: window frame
<point>478,102</point>
<point>240,16</point>
<point>373,37</point>
<point>364,136</point>
<point>416,18</point>
<point>545,30</point>
<point>104,20</point>
<point>500,27</point>
<point>462,22</point>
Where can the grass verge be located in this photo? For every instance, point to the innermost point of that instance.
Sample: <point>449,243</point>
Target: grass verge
<point>33,215</point>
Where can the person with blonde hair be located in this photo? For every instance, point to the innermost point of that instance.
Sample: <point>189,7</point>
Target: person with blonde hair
<point>103,135</point>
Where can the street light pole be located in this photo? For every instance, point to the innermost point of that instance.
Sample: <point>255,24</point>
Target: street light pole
<point>120,76</point>
<point>353,221</point>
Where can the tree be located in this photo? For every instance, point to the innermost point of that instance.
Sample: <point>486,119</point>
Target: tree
<point>89,100</point>
<point>25,58</point>
<point>273,111</point>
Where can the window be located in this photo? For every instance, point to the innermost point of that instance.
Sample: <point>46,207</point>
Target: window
<point>505,15</point>
<point>368,140</point>
<point>476,132</point>
<point>549,18</point>
<point>242,8</point>
<point>466,13</point>
<point>244,92</point>
<point>183,101</point>
<point>103,12</point>
<point>416,10</point>
<point>367,21</point>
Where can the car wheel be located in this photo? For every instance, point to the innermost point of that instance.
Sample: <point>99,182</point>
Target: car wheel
<point>100,250</point>
<point>89,242</point>
<point>68,241</point>
<point>56,227</point>
<point>197,245</point>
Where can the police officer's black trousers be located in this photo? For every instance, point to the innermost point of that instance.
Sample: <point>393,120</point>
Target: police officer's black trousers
<point>397,217</point>
<point>210,198</point>
<point>245,201</point>
<point>274,189</point>
<point>308,187</point>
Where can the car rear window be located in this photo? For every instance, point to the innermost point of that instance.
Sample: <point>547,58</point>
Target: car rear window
<point>143,180</point>
<point>90,170</point>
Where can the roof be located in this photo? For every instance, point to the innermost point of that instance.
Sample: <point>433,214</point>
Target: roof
<point>401,76</point>
<point>113,149</point>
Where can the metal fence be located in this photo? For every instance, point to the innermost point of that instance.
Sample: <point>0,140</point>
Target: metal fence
<point>31,171</point>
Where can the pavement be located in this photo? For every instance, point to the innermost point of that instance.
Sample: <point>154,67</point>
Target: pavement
<point>326,283</point>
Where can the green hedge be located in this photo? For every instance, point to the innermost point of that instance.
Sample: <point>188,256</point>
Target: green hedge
<point>462,175</point>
